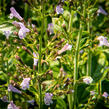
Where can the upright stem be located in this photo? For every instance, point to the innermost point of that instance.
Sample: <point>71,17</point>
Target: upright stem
<point>89,51</point>
<point>0,7</point>
<point>45,36</point>
<point>84,12</point>
<point>70,99</point>
<point>4,7</point>
<point>40,53</point>
<point>40,40</point>
<point>100,87</point>
<point>40,92</point>
<point>8,79</point>
<point>71,21</point>
<point>45,41</point>
<point>76,66</point>
<point>8,73</point>
<point>26,10</point>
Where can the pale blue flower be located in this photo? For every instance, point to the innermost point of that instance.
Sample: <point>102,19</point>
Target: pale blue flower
<point>92,93</point>
<point>21,34</point>
<point>87,80</point>
<point>13,89</point>
<point>48,98</point>
<point>7,34</point>
<point>66,47</point>
<point>81,51</point>
<point>105,95</point>
<point>4,99</point>
<point>23,30</point>
<point>33,26</point>
<point>11,16</point>
<point>103,41</point>
<point>12,106</point>
<point>102,11</point>
<point>72,91</point>
<point>25,83</point>
<point>31,102</point>
<point>59,9</point>
<point>35,58</point>
<point>16,23</point>
<point>50,28</point>
<point>14,13</point>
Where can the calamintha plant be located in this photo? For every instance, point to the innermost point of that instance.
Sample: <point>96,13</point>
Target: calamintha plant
<point>57,58</point>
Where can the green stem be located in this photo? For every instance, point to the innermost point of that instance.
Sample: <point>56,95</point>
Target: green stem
<point>70,99</point>
<point>84,12</point>
<point>8,78</point>
<point>100,87</point>
<point>45,36</point>
<point>45,41</point>
<point>89,51</point>
<point>8,82</point>
<point>76,66</point>
<point>40,40</point>
<point>8,74</point>
<point>71,21</point>
<point>0,7</point>
<point>4,7</point>
<point>26,10</point>
<point>40,92</point>
<point>40,53</point>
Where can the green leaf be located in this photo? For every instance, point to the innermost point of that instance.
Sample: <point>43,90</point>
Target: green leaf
<point>61,104</point>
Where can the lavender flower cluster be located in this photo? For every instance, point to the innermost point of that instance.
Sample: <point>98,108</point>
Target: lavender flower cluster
<point>48,98</point>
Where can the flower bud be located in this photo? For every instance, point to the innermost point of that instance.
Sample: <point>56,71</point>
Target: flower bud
<point>15,33</point>
<point>57,45</point>
<point>64,27</point>
<point>70,91</point>
<point>19,59</point>
<point>27,50</point>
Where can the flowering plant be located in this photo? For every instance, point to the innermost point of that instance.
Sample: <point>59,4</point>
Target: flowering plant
<point>55,55</point>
